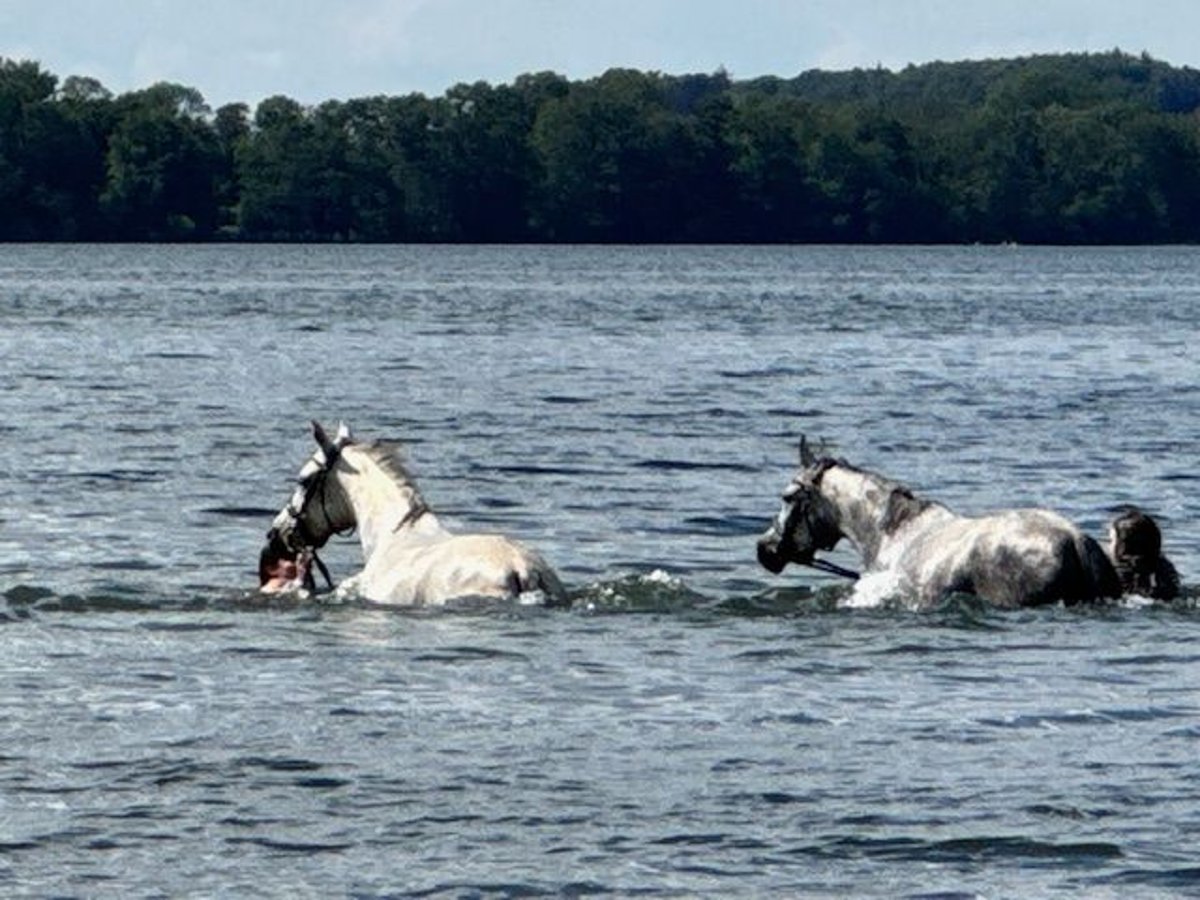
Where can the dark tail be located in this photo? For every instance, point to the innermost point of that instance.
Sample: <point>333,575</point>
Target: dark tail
<point>539,579</point>
<point>1107,581</point>
<point>1088,574</point>
<point>515,584</point>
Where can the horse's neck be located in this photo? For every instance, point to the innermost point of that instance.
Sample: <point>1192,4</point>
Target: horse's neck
<point>863,503</point>
<point>385,508</point>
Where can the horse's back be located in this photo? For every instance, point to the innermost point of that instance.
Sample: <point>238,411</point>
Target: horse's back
<point>1016,558</point>
<point>431,572</point>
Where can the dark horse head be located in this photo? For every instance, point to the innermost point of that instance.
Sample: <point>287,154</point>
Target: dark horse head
<point>316,511</point>
<point>806,522</point>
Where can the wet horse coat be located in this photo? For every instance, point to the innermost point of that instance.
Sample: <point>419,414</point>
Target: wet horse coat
<point>1020,557</point>
<point>410,558</point>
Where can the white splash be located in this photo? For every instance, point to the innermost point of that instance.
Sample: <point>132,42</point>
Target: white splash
<point>874,589</point>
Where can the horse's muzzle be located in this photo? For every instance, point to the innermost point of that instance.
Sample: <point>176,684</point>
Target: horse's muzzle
<point>770,553</point>
<point>283,544</point>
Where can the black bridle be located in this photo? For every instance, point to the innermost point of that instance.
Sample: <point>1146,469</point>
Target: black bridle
<point>321,476</point>
<point>305,536</point>
<point>819,468</point>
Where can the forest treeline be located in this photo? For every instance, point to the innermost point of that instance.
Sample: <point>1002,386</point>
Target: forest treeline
<point>1076,148</point>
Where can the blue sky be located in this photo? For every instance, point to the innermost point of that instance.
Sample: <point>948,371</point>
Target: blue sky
<point>314,50</point>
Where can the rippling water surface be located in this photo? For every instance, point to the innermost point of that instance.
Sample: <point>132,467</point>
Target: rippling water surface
<point>693,726</point>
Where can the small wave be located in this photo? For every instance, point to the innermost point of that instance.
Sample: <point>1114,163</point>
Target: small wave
<point>305,848</point>
<point>768,372</point>
<point>971,849</point>
<point>789,601</point>
<point>24,600</point>
<point>656,591</point>
<point>546,470</point>
<point>1052,721</point>
<point>278,763</point>
<point>685,465</point>
<point>465,654</point>
<point>126,565</point>
<point>1184,879</point>
<point>510,889</point>
<point>118,476</point>
<point>185,627</point>
<point>241,512</point>
<point>725,526</point>
<point>27,599</point>
<point>565,400</point>
<point>1180,476</point>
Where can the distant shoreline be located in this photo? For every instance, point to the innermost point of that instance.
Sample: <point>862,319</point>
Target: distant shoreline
<point>1070,150</point>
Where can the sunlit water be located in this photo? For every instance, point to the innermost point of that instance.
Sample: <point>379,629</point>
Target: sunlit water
<point>693,726</point>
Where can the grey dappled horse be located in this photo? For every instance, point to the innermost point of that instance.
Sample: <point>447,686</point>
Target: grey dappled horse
<point>409,558</point>
<point>1019,557</point>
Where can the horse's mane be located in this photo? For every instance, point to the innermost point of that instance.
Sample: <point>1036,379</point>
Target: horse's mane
<point>389,456</point>
<point>902,503</point>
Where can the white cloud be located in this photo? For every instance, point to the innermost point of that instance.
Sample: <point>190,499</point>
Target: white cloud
<point>158,58</point>
<point>380,31</point>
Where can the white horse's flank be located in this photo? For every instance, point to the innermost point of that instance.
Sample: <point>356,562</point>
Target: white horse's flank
<point>409,557</point>
<point>1020,557</point>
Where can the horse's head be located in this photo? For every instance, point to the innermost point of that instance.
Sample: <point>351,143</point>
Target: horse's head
<point>806,522</point>
<point>318,507</point>
<point>1135,548</point>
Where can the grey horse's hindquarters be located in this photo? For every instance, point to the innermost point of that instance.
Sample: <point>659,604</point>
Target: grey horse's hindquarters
<point>1073,569</point>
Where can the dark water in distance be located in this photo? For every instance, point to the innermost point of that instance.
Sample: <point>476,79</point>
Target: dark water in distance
<point>694,726</point>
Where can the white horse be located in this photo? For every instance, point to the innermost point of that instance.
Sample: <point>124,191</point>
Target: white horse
<point>1020,557</point>
<point>409,557</point>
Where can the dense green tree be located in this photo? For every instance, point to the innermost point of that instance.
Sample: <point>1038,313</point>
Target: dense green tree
<point>772,141</point>
<point>1080,148</point>
<point>620,161</point>
<point>285,174</point>
<point>24,88</point>
<point>163,161</point>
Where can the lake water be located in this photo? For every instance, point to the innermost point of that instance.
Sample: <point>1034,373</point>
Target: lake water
<point>693,726</point>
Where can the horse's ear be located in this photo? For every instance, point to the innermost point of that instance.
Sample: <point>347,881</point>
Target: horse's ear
<point>806,455</point>
<point>343,436</point>
<point>328,447</point>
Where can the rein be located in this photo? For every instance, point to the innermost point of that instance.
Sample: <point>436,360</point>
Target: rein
<point>324,569</point>
<point>832,569</point>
